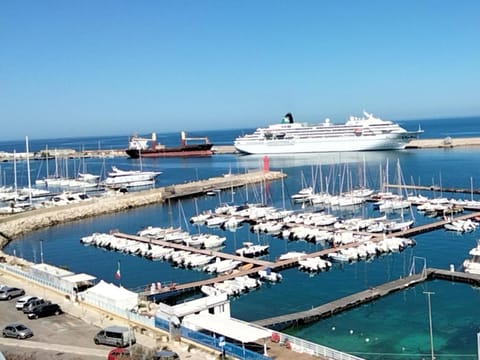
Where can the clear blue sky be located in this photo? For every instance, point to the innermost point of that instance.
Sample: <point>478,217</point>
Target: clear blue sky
<point>111,67</point>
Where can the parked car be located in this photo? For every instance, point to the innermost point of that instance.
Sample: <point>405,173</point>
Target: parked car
<point>17,330</point>
<point>8,292</point>
<point>44,310</point>
<point>32,304</point>
<point>24,300</point>
<point>118,353</point>
<point>165,355</point>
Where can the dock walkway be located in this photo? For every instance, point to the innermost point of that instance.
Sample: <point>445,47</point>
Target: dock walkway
<point>371,294</point>
<point>339,305</point>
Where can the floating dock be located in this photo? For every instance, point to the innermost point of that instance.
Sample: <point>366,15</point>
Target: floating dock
<point>362,297</point>
<point>433,188</point>
<point>262,264</point>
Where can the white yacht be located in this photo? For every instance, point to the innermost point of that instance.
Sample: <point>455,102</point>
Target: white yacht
<point>129,178</point>
<point>472,265</point>
<point>357,134</point>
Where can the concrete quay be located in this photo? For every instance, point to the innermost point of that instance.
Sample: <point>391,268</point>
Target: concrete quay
<point>13,226</point>
<point>443,143</point>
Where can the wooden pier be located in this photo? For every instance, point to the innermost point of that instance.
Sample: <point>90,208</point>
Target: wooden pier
<point>362,297</point>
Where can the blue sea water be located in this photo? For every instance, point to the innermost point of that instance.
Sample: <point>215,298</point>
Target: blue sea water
<point>394,327</point>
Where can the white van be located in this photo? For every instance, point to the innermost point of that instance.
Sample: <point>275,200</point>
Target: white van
<point>120,336</point>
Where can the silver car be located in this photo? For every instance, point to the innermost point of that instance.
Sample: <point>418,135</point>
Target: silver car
<point>17,330</point>
<point>7,293</point>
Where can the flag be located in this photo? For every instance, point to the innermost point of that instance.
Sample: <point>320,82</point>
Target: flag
<point>117,274</point>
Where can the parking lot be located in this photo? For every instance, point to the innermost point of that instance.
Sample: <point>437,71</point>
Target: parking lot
<point>65,336</point>
<point>70,333</point>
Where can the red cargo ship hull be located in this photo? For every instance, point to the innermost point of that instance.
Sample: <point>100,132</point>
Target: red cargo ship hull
<point>179,151</point>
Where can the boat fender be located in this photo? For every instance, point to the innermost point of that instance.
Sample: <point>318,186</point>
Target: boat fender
<point>288,345</point>
<point>275,337</point>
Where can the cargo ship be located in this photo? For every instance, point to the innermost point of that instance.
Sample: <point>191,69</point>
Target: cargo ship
<point>145,147</point>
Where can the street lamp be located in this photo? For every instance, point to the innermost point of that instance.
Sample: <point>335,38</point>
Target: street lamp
<point>41,250</point>
<point>428,293</point>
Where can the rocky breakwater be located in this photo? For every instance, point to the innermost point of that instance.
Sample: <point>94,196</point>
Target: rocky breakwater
<point>17,225</point>
<point>14,226</point>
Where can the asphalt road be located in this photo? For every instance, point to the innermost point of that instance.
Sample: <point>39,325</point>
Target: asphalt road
<point>55,337</point>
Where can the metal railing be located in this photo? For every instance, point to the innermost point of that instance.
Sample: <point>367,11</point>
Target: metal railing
<point>57,286</point>
<point>304,346</point>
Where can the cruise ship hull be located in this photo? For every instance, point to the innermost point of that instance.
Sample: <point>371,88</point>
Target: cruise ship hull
<point>365,133</point>
<point>336,144</point>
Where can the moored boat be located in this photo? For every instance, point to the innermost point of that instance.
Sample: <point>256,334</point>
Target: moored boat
<point>118,178</point>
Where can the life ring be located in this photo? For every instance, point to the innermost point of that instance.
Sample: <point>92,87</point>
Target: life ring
<point>288,345</point>
<point>275,337</point>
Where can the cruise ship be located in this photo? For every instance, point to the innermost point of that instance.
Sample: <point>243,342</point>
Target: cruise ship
<point>357,134</point>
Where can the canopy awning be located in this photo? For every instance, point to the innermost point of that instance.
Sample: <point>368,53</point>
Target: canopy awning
<point>228,327</point>
<point>79,278</point>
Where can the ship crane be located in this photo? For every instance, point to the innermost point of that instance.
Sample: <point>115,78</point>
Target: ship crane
<point>184,139</point>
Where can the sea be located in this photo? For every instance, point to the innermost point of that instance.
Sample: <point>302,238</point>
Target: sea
<point>394,327</point>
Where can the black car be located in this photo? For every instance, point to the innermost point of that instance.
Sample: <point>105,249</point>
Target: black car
<point>44,310</point>
<point>32,304</point>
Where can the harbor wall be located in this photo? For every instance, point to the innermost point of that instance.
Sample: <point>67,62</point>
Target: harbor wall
<point>13,226</point>
<point>446,142</point>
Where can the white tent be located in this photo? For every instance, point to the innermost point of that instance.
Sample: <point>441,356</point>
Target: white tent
<point>111,294</point>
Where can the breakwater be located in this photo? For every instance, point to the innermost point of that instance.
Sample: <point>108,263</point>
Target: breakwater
<point>45,154</point>
<point>447,142</point>
<point>16,225</point>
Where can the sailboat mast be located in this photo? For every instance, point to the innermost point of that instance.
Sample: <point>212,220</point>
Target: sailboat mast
<point>471,188</point>
<point>28,172</point>
<point>15,171</point>
<point>46,159</point>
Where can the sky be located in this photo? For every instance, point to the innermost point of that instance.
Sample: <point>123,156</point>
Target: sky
<point>114,67</point>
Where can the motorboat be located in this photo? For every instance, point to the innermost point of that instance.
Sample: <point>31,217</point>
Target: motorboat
<point>251,250</point>
<point>118,178</point>
<point>269,275</point>
<point>472,265</point>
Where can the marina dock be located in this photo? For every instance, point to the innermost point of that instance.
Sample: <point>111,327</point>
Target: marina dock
<point>258,265</point>
<point>362,297</point>
<point>435,188</point>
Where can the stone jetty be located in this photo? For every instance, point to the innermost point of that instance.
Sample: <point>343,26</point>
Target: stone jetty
<point>447,142</point>
<point>16,225</point>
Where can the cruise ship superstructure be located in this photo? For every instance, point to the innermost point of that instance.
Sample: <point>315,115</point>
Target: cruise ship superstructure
<point>357,134</point>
